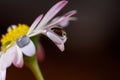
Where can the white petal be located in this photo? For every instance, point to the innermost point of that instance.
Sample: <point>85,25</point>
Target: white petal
<point>6,60</point>
<point>18,60</point>
<point>58,42</point>
<point>0,53</point>
<point>64,23</point>
<point>2,74</point>
<point>2,67</point>
<point>54,38</point>
<point>8,57</point>
<point>29,50</point>
<point>32,27</point>
<point>61,46</point>
<point>11,27</point>
<point>36,32</point>
<point>52,12</point>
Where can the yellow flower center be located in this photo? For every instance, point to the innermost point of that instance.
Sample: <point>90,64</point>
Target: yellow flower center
<point>14,34</point>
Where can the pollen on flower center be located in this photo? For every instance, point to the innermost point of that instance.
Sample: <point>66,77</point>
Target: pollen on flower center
<point>14,34</point>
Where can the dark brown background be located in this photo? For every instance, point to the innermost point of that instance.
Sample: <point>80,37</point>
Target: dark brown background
<point>93,46</point>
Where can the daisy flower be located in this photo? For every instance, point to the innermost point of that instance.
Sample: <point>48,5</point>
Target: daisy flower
<point>17,42</point>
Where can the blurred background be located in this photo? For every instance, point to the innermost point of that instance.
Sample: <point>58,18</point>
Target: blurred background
<point>93,47</point>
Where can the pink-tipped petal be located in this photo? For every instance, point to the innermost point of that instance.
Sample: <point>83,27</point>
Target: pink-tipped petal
<point>29,50</point>
<point>18,61</point>
<point>52,12</point>
<point>62,19</point>
<point>55,22</point>
<point>32,27</point>
<point>66,22</point>
<point>70,13</point>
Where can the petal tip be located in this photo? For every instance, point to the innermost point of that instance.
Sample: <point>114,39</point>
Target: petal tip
<point>61,47</point>
<point>63,2</point>
<point>74,11</point>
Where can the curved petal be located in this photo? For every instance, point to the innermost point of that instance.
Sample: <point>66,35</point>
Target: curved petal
<point>64,18</point>
<point>18,60</point>
<point>29,50</point>
<point>54,38</point>
<point>32,27</point>
<point>6,60</point>
<point>63,22</point>
<point>52,12</point>
<point>59,21</point>
<point>59,43</point>
<point>66,22</point>
<point>8,57</point>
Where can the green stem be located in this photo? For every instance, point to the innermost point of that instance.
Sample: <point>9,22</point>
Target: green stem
<point>32,63</point>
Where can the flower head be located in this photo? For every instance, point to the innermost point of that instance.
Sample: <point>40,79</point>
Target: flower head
<point>19,30</point>
<point>18,39</point>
